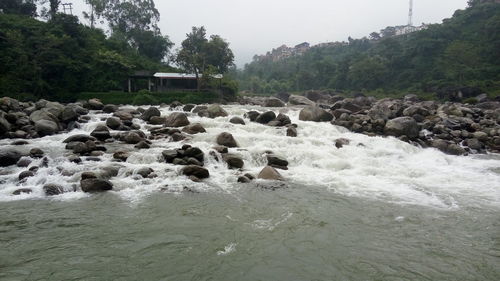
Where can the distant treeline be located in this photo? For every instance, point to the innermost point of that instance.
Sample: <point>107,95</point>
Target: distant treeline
<point>462,51</point>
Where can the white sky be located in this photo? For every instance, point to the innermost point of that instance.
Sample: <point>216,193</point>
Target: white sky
<point>256,26</point>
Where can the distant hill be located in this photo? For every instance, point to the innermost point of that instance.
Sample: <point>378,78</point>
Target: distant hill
<point>463,51</point>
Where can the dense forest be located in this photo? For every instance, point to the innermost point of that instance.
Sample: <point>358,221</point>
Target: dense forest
<point>45,53</point>
<point>462,51</point>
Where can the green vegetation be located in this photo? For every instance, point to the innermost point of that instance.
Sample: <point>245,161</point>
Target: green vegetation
<point>146,98</point>
<point>462,51</point>
<point>202,56</point>
<point>59,58</point>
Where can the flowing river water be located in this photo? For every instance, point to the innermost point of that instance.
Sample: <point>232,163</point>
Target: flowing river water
<point>377,209</point>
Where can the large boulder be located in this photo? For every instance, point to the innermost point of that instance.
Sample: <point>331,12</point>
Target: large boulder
<point>46,127</point>
<point>193,129</point>
<point>79,137</point>
<point>299,100</point>
<point>43,114</point>
<point>283,96</point>
<point>101,132</point>
<point>277,162</point>
<point>402,126</point>
<point>315,113</point>
<point>69,114</point>
<point>216,110</point>
<point>4,126</point>
<point>9,157</point>
<point>95,104</point>
<point>95,185</point>
<point>269,173</point>
<point>150,112</point>
<point>114,123</point>
<point>273,102</point>
<point>386,109</point>
<point>177,119</point>
<point>197,171</point>
<point>132,138</point>
<point>53,189</point>
<point>266,117</point>
<point>226,139</point>
<point>233,161</point>
<point>124,115</point>
<point>237,120</point>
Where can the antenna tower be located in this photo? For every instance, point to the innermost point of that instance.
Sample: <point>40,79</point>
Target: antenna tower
<point>410,14</point>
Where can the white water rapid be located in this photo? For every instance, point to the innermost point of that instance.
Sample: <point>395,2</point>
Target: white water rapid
<point>370,167</point>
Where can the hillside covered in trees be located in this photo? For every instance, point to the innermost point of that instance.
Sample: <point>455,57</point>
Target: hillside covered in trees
<point>45,53</point>
<point>462,51</point>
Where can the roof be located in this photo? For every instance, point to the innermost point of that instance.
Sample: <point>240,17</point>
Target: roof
<point>182,75</point>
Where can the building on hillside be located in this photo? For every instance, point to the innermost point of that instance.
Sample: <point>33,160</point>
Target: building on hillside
<point>162,82</point>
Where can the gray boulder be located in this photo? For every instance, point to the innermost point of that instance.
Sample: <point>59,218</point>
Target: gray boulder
<point>197,171</point>
<point>266,117</point>
<point>177,119</point>
<point>315,113</point>
<point>273,102</point>
<point>95,104</point>
<point>4,126</point>
<point>216,110</point>
<point>193,129</point>
<point>237,120</point>
<point>150,112</point>
<point>53,189</point>
<point>233,161</point>
<point>9,157</point>
<point>402,126</point>
<point>299,100</point>
<point>269,173</point>
<point>226,139</point>
<point>46,127</point>
<point>95,185</point>
<point>114,123</point>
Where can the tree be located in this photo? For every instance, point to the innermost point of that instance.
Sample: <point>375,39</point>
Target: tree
<point>198,54</point>
<point>133,21</point>
<point>374,36</point>
<point>54,7</point>
<point>20,7</point>
<point>97,8</point>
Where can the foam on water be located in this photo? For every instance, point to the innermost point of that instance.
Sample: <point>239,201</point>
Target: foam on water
<point>370,167</point>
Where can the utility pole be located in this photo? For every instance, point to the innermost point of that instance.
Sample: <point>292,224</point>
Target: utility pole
<point>410,14</point>
<point>68,8</point>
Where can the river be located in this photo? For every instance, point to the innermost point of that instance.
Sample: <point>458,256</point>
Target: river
<point>377,209</point>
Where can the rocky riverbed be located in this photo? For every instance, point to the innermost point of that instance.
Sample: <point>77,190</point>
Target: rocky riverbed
<point>451,127</point>
<point>88,144</point>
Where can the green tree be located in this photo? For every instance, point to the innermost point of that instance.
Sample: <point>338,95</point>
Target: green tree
<point>20,7</point>
<point>197,53</point>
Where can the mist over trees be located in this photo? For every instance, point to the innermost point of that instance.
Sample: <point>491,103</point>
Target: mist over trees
<point>463,51</point>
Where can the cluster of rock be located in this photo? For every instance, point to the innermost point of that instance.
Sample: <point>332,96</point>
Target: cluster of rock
<point>43,118</point>
<point>452,127</point>
<point>28,120</point>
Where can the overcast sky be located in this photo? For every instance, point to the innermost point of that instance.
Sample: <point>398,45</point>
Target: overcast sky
<point>256,26</point>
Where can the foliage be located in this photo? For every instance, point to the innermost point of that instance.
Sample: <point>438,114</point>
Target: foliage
<point>135,23</point>
<point>462,51</point>
<point>61,57</point>
<point>144,98</point>
<point>202,56</point>
<point>19,7</point>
